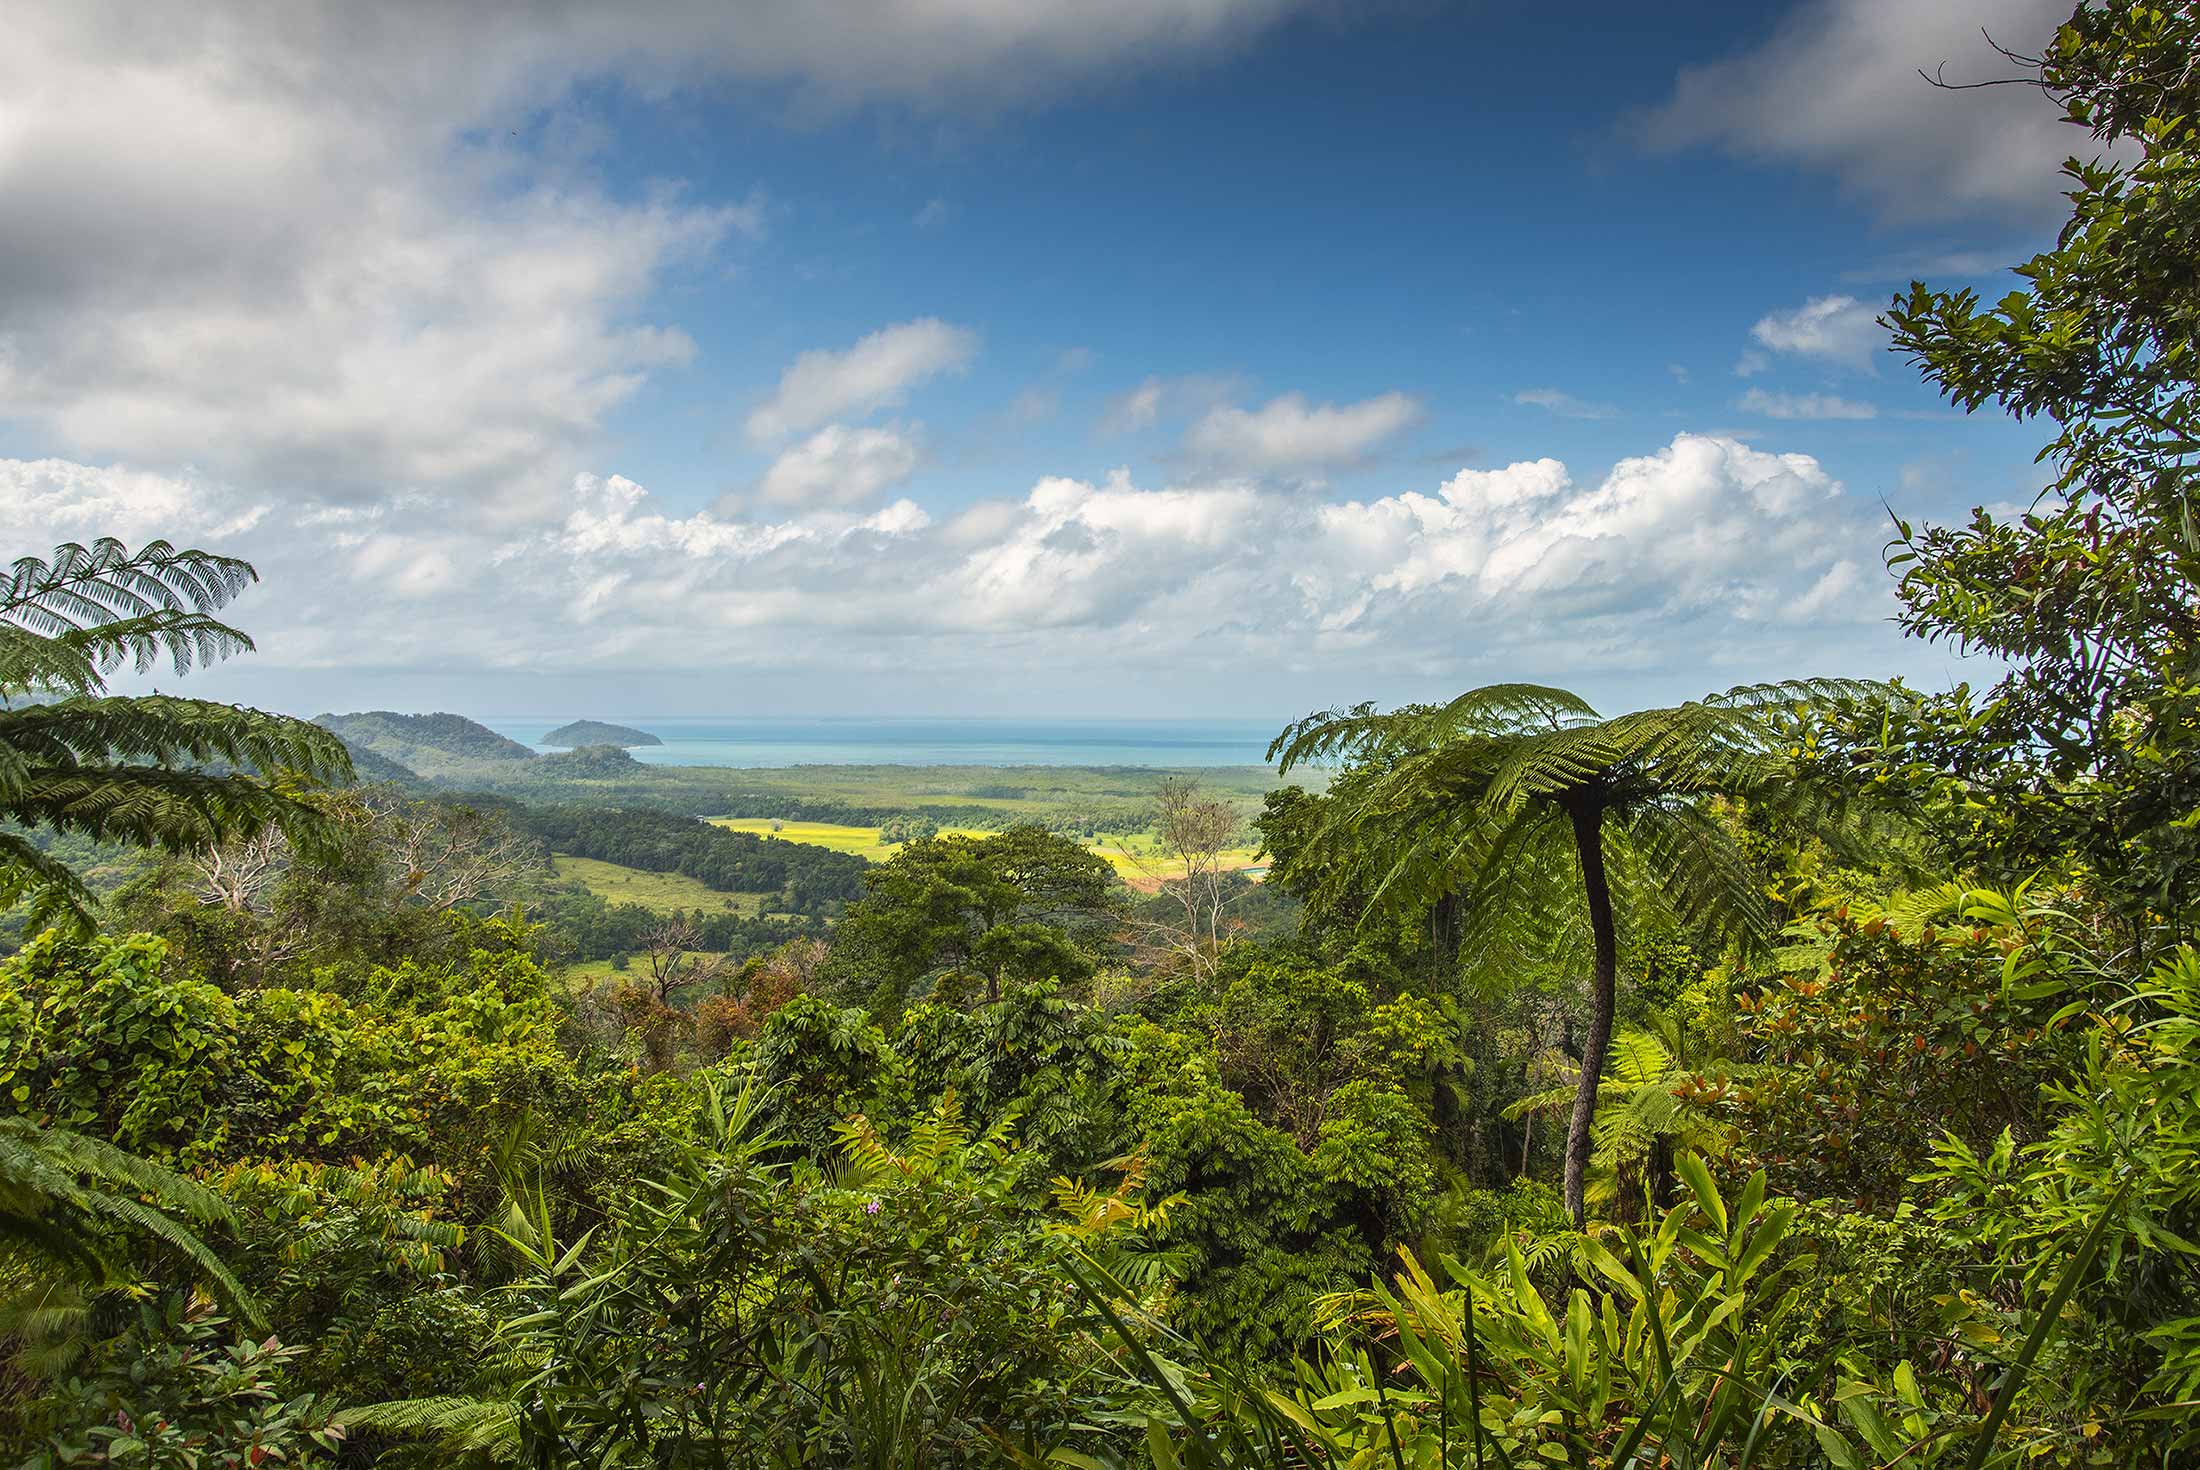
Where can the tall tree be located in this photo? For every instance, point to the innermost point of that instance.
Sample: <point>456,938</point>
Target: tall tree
<point>1486,797</point>
<point>1006,907</point>
<point>2083,758</point>
<point>155,771</point>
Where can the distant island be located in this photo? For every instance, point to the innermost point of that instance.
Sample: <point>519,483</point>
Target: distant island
<point>596,732</point>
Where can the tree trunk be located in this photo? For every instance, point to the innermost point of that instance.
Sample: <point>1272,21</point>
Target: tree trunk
<point>1589,842</point>
<point>1447,926</point>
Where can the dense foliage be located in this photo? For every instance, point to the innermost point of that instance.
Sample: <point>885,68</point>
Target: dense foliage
<point>1874,1018</point>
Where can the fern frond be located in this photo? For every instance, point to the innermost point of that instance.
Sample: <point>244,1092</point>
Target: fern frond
<point>85,587</point>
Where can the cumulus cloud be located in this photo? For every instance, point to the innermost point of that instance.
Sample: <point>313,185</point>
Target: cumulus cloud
<point>1705,543</point>
<point>1706,528</point>
<point>1566,406</point>
<point>839,465</point>
<point>1836,88</point>
<point>1835,329</point>
<point>1288,435</point>
<point>877,371</point>
<point>244,243</point>
<point>355,250</point>
<point>1803,406</point>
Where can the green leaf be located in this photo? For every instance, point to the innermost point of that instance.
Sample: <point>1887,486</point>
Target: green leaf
<point>1698,1178</point>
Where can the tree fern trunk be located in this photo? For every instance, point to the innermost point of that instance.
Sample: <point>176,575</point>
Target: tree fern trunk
<point>1589,842</point>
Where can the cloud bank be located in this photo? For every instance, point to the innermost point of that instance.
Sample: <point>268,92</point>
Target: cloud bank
<point>1706,543</point>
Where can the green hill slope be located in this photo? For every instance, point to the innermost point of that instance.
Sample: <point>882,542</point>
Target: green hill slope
<point>440,747</point>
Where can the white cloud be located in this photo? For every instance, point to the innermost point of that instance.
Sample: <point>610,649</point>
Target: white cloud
<point>1706,544</point>
<point>1836,88</point>
<point>259,250</point>
<point>1157,398</point>
<point>1836,329</point>
<point>354,250</point>
<point>1751,363</point>
<point>934,214</point>
<point>1934,266</point>
<point>879,370</point>
<point>1707,527</point>
<point>1136,409</point>
<point>1566,406</point>
<point>839,465</point>
<point>1803,406</point>
<point>1288,435</point>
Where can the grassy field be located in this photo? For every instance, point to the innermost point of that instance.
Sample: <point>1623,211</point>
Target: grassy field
<point>862,841</point>
<point>1135,856</point>
<point>663,892</point>
<point>582,974</point>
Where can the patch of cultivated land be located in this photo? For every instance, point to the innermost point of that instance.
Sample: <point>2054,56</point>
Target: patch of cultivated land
<point>663,892</point>
<point>583,974</point>
<point>862,841</point>
<point>1135,856</point>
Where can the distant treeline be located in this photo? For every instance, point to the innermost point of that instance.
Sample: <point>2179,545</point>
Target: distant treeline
<point>594,928</point>
<point>809,879</point>
<point>947,814</point>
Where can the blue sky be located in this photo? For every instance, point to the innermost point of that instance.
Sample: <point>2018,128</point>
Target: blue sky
<point>1191,357</point>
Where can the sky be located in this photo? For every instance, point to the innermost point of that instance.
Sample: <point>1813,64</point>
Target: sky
<point>1034,358</point>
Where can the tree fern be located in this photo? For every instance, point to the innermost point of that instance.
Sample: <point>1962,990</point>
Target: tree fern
<point>1508,792</point>
<point>75,1201</point>
<point>156,771</point>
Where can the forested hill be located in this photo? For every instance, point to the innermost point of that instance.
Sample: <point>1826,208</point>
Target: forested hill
<point>597,732</point>
<point>732,862</point>
<point>371,767</point>
<point>436,746</point>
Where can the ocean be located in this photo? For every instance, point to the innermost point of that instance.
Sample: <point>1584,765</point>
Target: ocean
<point>701,740</point>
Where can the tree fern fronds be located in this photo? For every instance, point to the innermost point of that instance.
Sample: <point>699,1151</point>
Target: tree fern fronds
<point>462,1426</point>
<point>1801,693</point>
<point>188,638</point>
<point>157,771</point>
<point>156,1226</point>
<point>1501,708</point>
<point>1327,734</point>
<point>97,1157</point>
<point>105,582</point>
<point>1429,803</point>
<point>67,1197</point>
<point>168,730</point>
<point>1702,871</point>
<point>57,895</point>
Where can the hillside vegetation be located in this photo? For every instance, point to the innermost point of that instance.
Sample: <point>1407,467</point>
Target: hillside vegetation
<point>437,746</point>
<point>1802,1075</point>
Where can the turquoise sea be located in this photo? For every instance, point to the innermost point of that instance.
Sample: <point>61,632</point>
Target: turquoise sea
<point>699,740</point>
